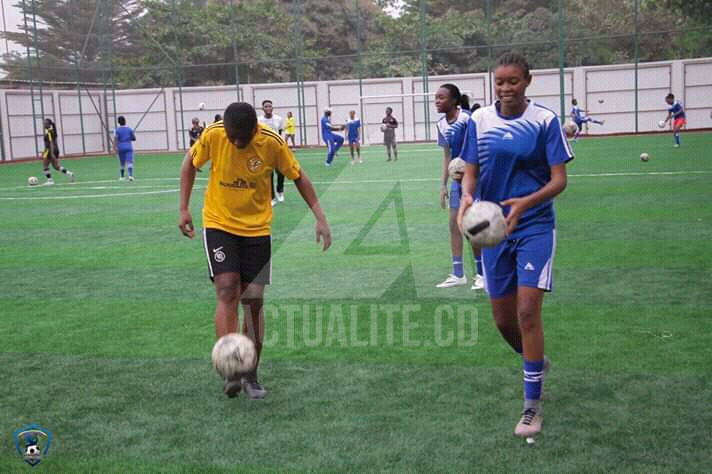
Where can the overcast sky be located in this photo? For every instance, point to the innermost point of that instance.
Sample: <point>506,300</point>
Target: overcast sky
<point>12,17</point>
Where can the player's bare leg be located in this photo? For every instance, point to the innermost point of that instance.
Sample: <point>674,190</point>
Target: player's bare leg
<point>504,311</point>
<point>227,292</point>
<point>253,326</point>
<point>45,169</point>
<point>55,164</point>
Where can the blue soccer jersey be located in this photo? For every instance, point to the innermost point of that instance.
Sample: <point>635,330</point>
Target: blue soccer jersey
<point>326,132</point>
<point>577,113</point>
<point>452,135</point>
<point>677,110</point>
<point>515,156</point>
<point>124,138</point>
<point>352,127</point>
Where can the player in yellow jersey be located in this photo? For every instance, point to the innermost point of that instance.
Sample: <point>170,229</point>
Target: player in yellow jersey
<point>290,129</point>
<point>237,217</point>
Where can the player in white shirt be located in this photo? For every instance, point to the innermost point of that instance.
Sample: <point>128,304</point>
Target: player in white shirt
<point>276,123</point>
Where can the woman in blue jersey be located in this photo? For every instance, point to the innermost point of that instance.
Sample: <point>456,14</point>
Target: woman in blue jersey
<point>676,113</point>
<point>123,145</point>
<point>516,155</point>
<point>452,128</point>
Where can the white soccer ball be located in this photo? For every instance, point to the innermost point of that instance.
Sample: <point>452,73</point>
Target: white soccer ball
<point>384,127</point>
<point>570,129</point>
<point>456,168</point>
<point>32,450</point>
<point>201,106</point>
<point>484,224</point>
<point>32,181</point>
<point>644,157</point>
<point>661,124</point>
<point>234,355</point>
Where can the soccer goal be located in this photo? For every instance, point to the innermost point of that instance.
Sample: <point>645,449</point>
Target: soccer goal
<point>408,109</point>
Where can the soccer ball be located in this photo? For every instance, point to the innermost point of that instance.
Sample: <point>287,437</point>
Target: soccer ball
<point>384,127</point>
<point>32,181</point>
<point>234,355</point>
<point>456,168</point>
<point>201,106</point>
<point>661,124</point>
<point>644,157</point>
<point>484,224</point>
<point>570,129</point>
<point>32,450</point>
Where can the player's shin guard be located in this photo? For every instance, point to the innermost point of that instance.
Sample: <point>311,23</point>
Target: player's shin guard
<point>47,173</point>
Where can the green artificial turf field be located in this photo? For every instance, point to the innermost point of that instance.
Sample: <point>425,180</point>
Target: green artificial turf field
<point>106,324</point>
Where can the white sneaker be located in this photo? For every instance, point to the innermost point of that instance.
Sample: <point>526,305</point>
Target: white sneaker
<point>121,178</point>
<point>453,280</point>
<point>676,145</point>
<point>71,176</point>
<point>130,178</point>
<point>360,161</point>
<point>353,162</point>
<point>49,182</point>
<point>478,283</point>
<point>274,202</point>
<point>280,197</point>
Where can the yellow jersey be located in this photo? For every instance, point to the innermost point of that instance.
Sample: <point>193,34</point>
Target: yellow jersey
<point>238,199</point>
<point>291,126</point>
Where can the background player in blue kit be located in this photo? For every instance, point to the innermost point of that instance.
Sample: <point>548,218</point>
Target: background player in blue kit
<point>452,128</point>
<point>516,155</point>
<point>579,117</point>
<point>332,140</point>
<point>676,113</point>
<point>353,132</point>
<point>123,145</point>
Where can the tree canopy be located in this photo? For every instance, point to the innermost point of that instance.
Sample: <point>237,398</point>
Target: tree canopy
<point>149,43</point>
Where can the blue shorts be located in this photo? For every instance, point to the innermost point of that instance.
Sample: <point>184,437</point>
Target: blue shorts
<point>524,261</point>
<point>353,141</point>
<point>455,195</point>
<point>126,157</point>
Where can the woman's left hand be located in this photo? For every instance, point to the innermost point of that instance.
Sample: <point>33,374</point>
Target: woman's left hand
<point>517,206</point>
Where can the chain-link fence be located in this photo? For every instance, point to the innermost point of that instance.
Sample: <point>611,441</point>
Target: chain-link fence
<point>85,62</point>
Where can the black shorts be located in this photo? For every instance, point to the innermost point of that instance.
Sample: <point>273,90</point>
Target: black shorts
<point>251,257</point>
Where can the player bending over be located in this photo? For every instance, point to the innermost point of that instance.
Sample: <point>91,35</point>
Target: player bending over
<point>676,113</point>
<point>516,155</point>
<point>237,218</point>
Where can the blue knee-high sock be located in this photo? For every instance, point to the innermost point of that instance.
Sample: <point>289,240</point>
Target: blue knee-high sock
<point>478,264</point>
<point>677,137</point>
<point>533,373</point>
<point>458,267</point>
<point>131,171</point>
<point>121,172</point>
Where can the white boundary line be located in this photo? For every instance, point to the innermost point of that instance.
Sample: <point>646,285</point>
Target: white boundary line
<point>337,182</point>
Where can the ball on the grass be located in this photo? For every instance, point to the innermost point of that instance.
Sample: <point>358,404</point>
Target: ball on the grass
<point>661,124</point>
<point>456,168</point>
<point>201,106</point>
<point>530,441</point>
<point>32,181</point>
<point>234,355</point>
<point>484,224</point>
<point>644,157</point>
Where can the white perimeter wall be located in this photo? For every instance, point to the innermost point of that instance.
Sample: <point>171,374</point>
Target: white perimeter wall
<point>607,92</point>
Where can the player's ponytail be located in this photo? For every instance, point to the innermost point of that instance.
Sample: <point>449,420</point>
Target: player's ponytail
<point>461,100</point>
<point>465,102</point>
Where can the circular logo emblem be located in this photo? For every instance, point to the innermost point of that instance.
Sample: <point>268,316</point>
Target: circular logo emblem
<point>254,164</point>
<point>219,256</point>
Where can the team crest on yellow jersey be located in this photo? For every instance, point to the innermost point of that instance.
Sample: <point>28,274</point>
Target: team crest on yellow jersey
<point>254,164</point>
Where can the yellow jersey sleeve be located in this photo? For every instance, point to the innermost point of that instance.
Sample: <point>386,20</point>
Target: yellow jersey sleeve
<point>286,163</point>
<point>200,151</point>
